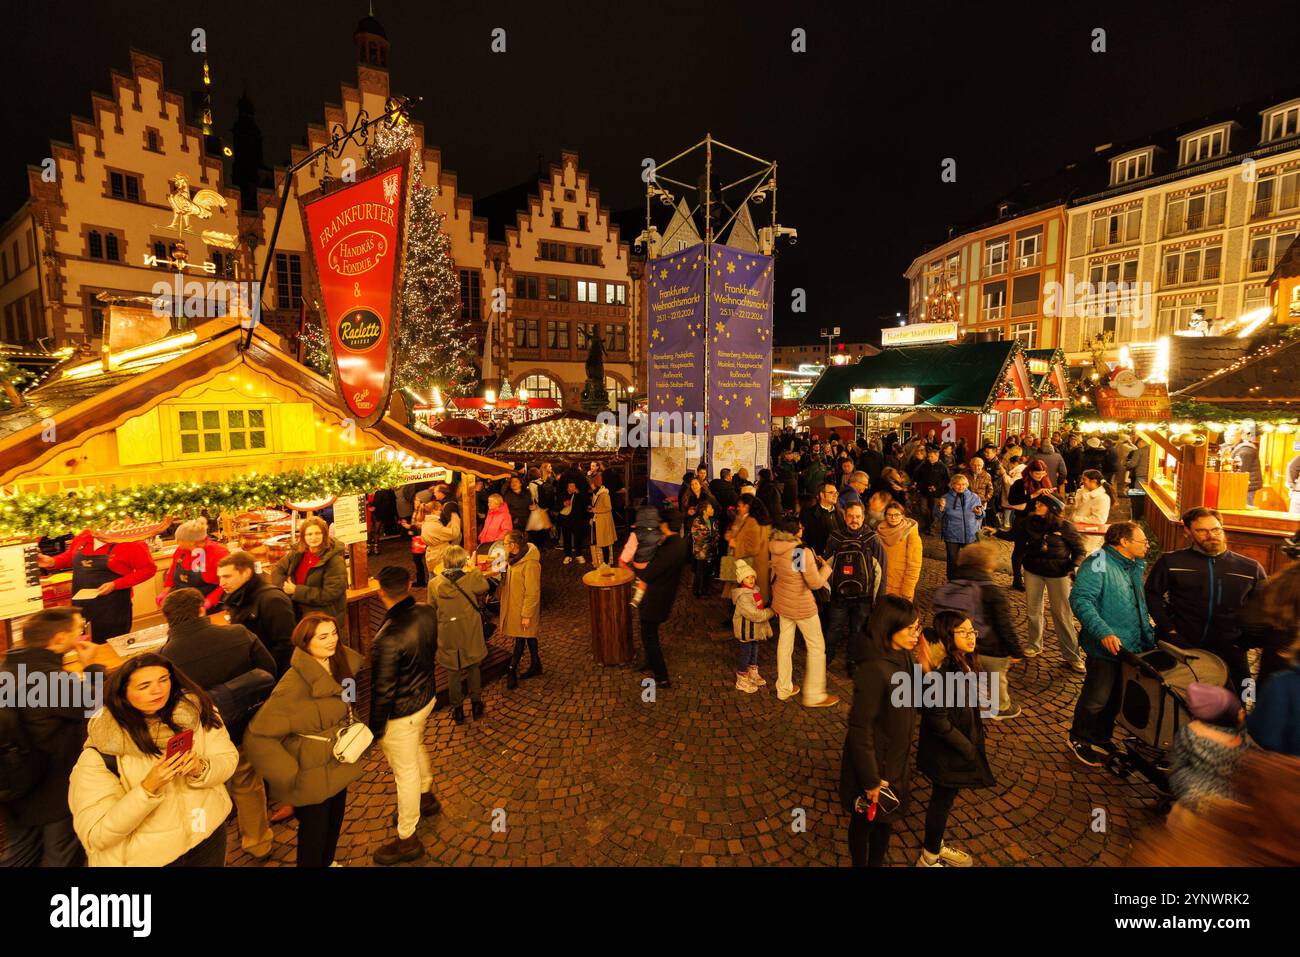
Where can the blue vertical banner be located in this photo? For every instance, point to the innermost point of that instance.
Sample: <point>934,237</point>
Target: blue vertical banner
<point>677,315</point>
<point>739,372</point>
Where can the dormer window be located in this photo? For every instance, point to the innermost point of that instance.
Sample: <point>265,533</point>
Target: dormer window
<point>1203,145</point>
<point>1281,122</point>
<point>1131,166</point>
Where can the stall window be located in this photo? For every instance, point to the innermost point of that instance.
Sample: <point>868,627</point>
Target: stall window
<point>1015,422</point>
<point>1036,422</point>
<point>200,431</point>
<point>991,428</point>
<point>246,429</point>
<point>215,431</point>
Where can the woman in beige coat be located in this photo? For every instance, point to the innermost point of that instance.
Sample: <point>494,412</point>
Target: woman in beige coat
<point>441,529</point>
<point>604,534</point>
<point>521,601</point>
<point>290,741</point>
<point>748,536</point>
<point>132,806</point>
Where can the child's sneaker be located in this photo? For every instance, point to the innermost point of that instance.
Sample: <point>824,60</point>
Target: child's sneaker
<point>754,677</point>
<point>744,684</point>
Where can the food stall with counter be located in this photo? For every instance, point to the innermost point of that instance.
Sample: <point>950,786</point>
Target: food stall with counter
<point>1192,463</point>
<point>215,422</point>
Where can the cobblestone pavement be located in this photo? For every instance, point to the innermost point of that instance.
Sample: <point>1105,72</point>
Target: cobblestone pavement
<point>580,770</point>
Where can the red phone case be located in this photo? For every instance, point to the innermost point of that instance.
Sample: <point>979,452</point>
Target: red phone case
<point>180,743</point>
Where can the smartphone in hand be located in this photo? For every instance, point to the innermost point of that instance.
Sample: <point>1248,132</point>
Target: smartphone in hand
<point>180,743</point>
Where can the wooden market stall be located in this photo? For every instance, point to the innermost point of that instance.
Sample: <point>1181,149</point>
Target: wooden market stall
<point>567,438</point>
<point>985,390</point>
<point>1191,463</point>
<point>206,411</point>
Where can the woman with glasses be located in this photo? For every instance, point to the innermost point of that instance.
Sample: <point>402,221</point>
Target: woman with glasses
<point>290,741</point>
<point>951,750</point>
<point>877,761</point>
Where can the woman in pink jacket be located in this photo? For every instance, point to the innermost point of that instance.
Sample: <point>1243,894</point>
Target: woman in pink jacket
<point>497,522</point>
<point>797,572</point>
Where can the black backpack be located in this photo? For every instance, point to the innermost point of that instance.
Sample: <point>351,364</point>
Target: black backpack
<point>853,573</point>
<point>22,764</point>
<point>239,699</point>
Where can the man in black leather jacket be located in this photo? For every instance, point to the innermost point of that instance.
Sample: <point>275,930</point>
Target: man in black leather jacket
<point>402,695</point>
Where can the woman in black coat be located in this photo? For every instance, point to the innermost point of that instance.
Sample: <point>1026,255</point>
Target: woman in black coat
<point>951,750</point>
<point>1026,491</point>
<point>518,501</point>
<point>769,493</point>
<point>574,521</point>
<point>878,747</point>
<point>1052,550</point>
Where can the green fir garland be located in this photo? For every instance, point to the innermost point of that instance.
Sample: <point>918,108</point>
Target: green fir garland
<point>40,513</point>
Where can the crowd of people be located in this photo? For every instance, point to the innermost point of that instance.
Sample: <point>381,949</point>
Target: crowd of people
<point>260,716</point>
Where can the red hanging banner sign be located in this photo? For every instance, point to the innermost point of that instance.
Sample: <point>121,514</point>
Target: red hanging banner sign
<point>357,236</point>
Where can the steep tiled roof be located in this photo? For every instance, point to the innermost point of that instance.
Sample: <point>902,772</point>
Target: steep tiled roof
<point>1268,375</point>
<point>1288,264</point>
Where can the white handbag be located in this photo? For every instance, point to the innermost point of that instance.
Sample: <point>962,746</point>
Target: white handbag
<point>350,741</point>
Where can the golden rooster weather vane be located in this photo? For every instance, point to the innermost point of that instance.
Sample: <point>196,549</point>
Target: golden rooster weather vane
<point>201,206</point>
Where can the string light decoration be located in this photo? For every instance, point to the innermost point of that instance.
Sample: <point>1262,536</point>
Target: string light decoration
<point>435,346</point>
<point>314,354</point>
<point>11,377</point>
<point>40,513</point>
<point>561,436</point>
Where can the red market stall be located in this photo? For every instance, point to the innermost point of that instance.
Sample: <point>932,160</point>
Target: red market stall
<point>980,391</point>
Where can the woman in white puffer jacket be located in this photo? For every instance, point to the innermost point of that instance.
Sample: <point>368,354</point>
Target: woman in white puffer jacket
<point>1092,507</point>
<point>131,805</point>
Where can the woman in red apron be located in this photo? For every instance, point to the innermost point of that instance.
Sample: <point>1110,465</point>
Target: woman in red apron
<point>112,569</point>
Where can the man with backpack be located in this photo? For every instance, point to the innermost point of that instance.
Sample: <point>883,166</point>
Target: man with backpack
<point>971,592</point>
<point>857,561</point>
<point>232,665</point>
<point>40,744</point>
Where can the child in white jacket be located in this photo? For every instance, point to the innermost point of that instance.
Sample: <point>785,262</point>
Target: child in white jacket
<point>751,626</point>
<point>1092,507</point>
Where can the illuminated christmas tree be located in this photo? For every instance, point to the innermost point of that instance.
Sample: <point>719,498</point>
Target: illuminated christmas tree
<point>435,347</point>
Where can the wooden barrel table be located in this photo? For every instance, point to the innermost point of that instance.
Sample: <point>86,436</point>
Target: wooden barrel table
<point>609,591</point>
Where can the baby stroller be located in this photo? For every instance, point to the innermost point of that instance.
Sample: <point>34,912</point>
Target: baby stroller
<point>1153,706</point>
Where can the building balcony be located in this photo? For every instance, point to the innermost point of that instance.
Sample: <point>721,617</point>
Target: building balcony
<point>993,313</point>
<point>1031,261</point>
<point>1259,264</point>
<point>1262,208</point>
<point>998,268</point>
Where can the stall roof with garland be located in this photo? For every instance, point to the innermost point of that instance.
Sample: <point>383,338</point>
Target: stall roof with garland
<point>1053,357</point>
<point>565,435</point>
<point>950,376</point>
<point>1268,378</point>
<point>80,401</point>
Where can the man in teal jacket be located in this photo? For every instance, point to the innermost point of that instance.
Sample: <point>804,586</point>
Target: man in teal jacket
<point>1109,601</point>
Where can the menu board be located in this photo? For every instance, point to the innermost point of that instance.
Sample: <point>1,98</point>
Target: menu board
<point>350,519</point>
<point>20,580</point>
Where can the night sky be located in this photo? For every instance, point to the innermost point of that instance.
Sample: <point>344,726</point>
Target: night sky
<point>859,124</point>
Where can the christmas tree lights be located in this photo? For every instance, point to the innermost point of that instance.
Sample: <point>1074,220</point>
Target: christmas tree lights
<point>435,346</point>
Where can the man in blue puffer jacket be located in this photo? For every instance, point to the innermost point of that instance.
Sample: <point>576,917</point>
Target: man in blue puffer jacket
<point>1109,602</point>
